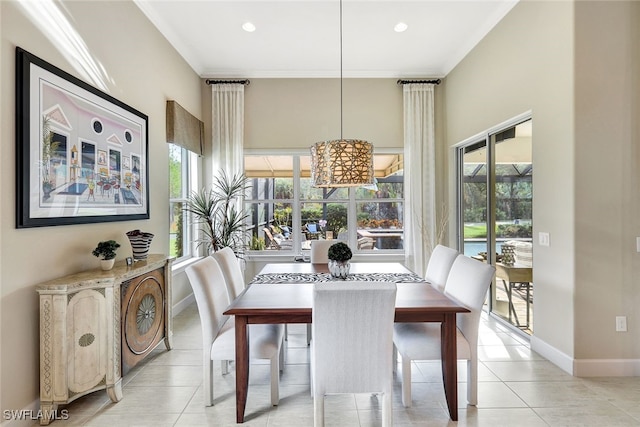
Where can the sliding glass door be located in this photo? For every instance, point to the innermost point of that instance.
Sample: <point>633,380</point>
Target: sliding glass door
<point>495,200</point>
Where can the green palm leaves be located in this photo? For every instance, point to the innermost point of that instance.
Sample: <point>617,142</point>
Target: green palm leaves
<point>220,214</point>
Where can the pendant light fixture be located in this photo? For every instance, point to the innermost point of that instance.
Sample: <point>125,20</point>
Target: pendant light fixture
<point>342,162</point>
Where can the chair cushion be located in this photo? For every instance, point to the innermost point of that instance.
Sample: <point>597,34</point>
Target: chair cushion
<point>264,341</point>
<point>421,341</point>
<point>224,346</point>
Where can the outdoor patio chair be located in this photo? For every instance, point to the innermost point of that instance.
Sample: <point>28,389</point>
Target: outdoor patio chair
<point>366,243</point>
<point>270,241</point>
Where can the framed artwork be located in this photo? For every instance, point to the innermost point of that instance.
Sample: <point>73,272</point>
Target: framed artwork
<point>82,155</point>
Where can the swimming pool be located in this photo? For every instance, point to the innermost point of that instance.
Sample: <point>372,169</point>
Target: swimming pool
<point>474,248</point>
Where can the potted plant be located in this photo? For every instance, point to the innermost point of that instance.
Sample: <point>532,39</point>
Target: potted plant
<point>220,215</point>
<point>339,255</point>
<point>106,251</point>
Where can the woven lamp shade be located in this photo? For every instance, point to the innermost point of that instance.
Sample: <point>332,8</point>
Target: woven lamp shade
<point>342,163</point>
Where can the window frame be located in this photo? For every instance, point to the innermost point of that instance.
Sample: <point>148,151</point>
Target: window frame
<point>297,201</point>
<point>190,178</point>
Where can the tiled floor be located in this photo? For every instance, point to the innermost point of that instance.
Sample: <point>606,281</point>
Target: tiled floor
<point>517,388</point>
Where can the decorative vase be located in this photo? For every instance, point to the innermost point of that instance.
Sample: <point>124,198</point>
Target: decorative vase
<point>508,254</point>
<point>140,243</point>
<point>339,269</point>
<point>107,264</point>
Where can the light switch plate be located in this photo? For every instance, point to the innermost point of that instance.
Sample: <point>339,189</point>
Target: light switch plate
<point>543,239</point>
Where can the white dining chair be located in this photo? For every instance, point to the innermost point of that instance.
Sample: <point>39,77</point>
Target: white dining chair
<point>218,331</point>
<point>439,266</point>
<point>231,270</point>
<point>320,251</point>
<point>352,342</point>
<point>234,280</point>
<point>467,283</point>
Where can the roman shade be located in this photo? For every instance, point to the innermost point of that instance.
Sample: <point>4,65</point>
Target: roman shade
<point>184,129</point>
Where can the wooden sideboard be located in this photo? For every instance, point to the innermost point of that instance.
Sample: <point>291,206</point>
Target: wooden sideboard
<point>96,325</point>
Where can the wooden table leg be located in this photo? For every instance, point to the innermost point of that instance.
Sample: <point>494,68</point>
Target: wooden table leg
<point>242,366</point>
<point>449,363</point>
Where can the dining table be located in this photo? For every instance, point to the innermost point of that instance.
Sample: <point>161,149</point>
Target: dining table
<point>282,293</point>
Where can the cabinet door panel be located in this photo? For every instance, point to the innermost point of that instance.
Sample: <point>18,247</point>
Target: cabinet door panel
<point>142,317</point>
<point>87,344</point>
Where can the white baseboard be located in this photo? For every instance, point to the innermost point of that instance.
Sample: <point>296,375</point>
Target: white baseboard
<point>552,354</point>
<point>184,303</point>
<point>606,367</point>
<point>586,367</point>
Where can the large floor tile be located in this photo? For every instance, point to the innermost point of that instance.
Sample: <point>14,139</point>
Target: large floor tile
<point>132,419</point>
<point>555,394</point>
<point>499,417</point>
<point>510,353</point>
<point>177,357</point>
<point>534,370</point>
<point>151,400</point>
<point>594,414</point>
<point>491,395</point>
<point>159,375</point>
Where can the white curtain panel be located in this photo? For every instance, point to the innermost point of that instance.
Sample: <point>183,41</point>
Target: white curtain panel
<point>419,158</point>
<point>227,127</point>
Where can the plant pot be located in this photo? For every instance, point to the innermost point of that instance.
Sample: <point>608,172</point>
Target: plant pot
<point>140,243</point>
<point>339,269</point>
<point>107,264</point>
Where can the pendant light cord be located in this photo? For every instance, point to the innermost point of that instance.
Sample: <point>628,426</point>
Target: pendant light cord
<point>341,129</point>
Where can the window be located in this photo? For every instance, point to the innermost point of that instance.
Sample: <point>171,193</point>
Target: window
<point>286,212</point>
<point>183,167</point>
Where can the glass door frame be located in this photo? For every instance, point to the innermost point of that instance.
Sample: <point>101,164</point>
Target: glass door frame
<point>488,139</point>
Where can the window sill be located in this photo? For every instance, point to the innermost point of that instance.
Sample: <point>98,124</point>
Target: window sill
<point>179,267</point>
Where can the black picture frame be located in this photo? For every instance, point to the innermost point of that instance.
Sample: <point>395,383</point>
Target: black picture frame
<point>71,142</point>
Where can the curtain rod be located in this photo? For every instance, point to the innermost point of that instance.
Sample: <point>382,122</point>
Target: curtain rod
<point>406,82</point>
<point>245,82</point>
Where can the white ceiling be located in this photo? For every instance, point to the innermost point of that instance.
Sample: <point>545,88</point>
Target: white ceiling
<point>301,38</point>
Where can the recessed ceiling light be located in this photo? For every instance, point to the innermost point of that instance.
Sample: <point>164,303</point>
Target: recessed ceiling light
<point>400,27</point>
<point>248,27</point>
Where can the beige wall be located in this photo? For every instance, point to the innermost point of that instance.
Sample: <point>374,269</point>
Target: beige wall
<point>143,71</point>
<point>607,172</point>
<point>575,67</point>
<point>296,113</point>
